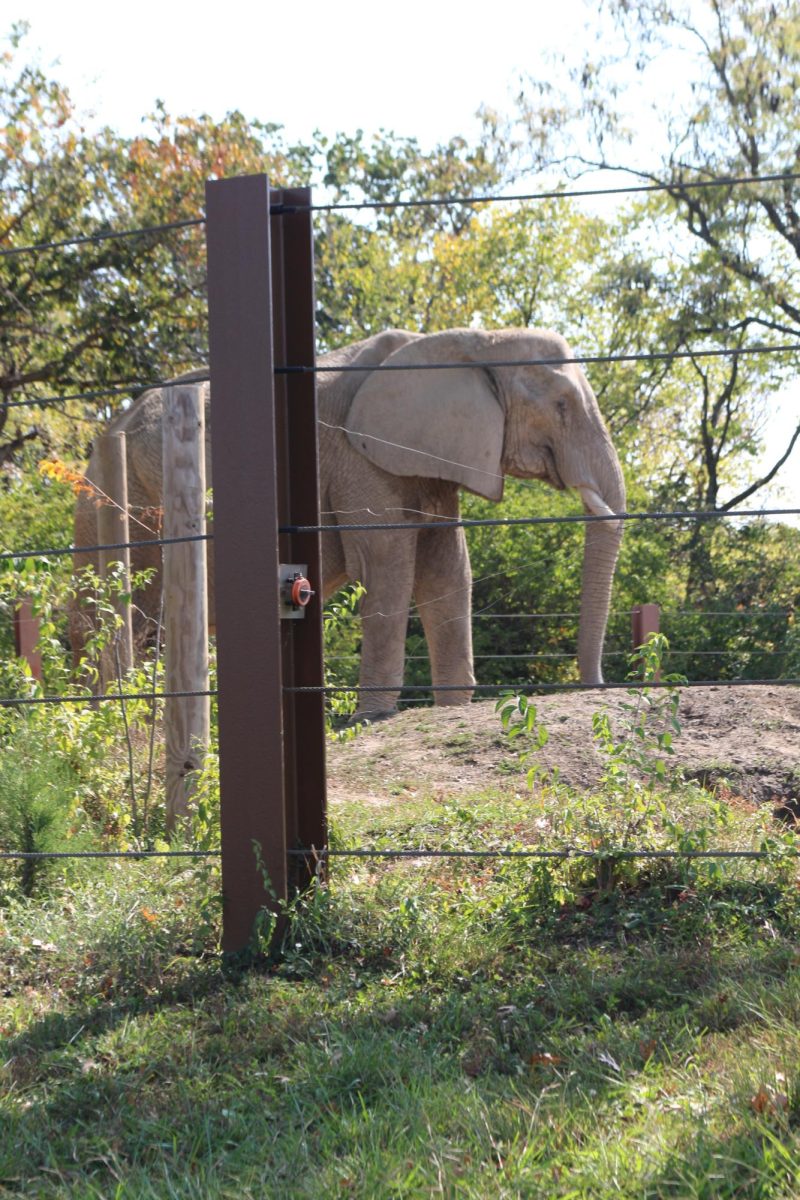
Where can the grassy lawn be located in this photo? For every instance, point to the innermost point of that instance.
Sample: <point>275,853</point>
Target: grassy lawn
<point>432,1028</point>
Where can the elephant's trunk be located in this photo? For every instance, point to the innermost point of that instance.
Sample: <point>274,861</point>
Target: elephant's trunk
<point>599,560</point>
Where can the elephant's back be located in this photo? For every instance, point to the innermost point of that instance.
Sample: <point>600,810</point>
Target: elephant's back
<point>141,422</point>
<point>337,390</point>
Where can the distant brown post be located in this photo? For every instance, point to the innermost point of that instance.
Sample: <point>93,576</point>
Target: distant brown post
<point>271,767</point>
<point>645,620</point>
<point>113,528</point>
<point>186,718</point>
<point>26,636</point>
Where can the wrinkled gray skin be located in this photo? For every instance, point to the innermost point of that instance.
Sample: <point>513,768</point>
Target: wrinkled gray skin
<point>396,446</point>
<point>141,424</point>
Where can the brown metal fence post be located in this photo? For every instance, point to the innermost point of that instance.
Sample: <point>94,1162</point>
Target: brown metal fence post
<point>298,504</point>
<point>645,619</point>
<point>258,771</point>
<point>26,636</point>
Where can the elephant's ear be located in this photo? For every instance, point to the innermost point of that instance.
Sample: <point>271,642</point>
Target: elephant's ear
<point>443,423</point>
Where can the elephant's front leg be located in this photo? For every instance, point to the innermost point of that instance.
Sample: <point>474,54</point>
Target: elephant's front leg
<point>443,595</point>
<point>384,563</point>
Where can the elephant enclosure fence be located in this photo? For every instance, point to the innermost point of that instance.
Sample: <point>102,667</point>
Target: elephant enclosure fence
<point>272,685</point>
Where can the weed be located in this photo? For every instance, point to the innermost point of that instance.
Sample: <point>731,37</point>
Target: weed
<point>638,805</point>
<point>342,704</point>
<point>37,809</point>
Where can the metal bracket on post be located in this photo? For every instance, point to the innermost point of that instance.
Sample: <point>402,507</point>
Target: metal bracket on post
<point>295,592</point>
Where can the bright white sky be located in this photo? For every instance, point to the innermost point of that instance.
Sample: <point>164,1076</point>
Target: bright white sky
<point>337,65</point>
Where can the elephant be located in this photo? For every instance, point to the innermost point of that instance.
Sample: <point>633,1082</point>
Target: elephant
<point>396,445</point>
<point>141,424</point>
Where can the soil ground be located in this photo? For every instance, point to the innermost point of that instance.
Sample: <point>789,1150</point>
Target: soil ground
<point>743,739</point>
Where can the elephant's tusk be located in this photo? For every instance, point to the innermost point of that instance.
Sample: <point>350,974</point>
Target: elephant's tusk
<point>594,502</point>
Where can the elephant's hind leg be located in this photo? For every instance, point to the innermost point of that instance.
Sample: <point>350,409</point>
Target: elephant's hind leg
<point>443,595</point>
<point>384,563</point>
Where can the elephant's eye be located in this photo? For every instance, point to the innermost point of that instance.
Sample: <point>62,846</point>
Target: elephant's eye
<point>561,405</point>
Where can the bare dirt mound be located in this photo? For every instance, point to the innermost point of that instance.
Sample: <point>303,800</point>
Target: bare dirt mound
<point>746,737</point>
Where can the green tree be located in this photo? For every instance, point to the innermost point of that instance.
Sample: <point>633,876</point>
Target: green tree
<point>89,316</point>
<point>736,117</point>
<point>376,266</point>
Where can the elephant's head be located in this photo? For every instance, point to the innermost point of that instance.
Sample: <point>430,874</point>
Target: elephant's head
<point>473,425</point>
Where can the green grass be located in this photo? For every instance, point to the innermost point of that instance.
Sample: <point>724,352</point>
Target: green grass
<point>459,1029</point>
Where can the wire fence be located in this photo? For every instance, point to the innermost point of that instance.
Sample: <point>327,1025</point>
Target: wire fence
<point>139,386</point>
<point>562,193</point>
<point>621,854</point>
<point>674,187</point>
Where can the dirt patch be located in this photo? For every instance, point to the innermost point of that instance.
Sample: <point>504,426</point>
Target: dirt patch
<point>748,737</point>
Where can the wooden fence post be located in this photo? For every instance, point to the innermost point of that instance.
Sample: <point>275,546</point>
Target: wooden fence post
<point>113,528</point>
<point>264,759</point>
<point>186,718</point>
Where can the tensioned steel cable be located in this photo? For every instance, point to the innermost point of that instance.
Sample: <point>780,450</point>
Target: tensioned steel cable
<point>28,701</point>
<point>644,356</point>
<point>120,389</point>
<point>487,689</point>
<point>531,686</point>
<point>109,235</point>
<point>556,361</point>
<point>550,657</point>
<point>568,852</point>
<point>430,202</point>
<point>56,551</point>
<point>701,614</point>
<point>134,854</point>
<point>700,514</point>
<point>406,853</point>
<point>445,523</point>
<point>558,194</point>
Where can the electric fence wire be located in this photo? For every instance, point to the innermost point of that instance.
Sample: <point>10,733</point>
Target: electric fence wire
<point>90,698</point>
<point>567,852</point>
<point>552,657</point>
<point>702,614</point>
<point>102,236</point>
<point>488,364</point>
<point>532,686</point>
<point>699,514</point>
<point>118,389</point>
<point>34,855</point>
<point>324,853</point>
<point>552,361</point>
<point>60,551</point>
<point>445,523</point>
<point>526,687</point>
<point>675,187</point>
